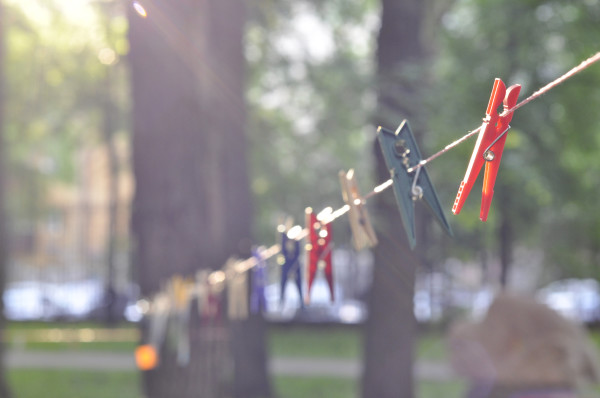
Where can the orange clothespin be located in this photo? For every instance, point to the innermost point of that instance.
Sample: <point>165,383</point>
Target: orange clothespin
<point>489,147</point>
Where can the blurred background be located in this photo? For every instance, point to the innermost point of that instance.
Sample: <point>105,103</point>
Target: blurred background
<point>318,76</point>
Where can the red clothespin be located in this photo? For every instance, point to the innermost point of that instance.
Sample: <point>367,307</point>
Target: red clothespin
<point>489,147</point>
<point>318,249</point>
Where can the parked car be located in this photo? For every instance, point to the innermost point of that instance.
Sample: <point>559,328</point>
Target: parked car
<point>74,300</point>
<point>27,301</point>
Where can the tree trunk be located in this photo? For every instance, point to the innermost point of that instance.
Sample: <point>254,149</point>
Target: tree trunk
<point>192,205</point>
<point>506,238</point>
<point>108,130</point>
<point>391,327</point>
<point>4,390</point>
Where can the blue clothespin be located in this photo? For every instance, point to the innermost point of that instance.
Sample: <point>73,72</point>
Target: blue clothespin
<point>258,302</point>
<point>290,250</point>
<point>401,152</point>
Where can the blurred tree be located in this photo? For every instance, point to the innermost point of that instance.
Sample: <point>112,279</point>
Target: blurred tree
<point>57,56</point>
<point>112,115</point>
<point>4,390</point>
<point>310,69</point>
<point>192,207</point>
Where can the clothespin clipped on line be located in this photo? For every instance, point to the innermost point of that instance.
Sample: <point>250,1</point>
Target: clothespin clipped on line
<point>259,281</point>
<point>290,256</point>
<point>237,291</point>
<point>180,290</point>
<point>147,356</point>
<point>363,234</point>
<point>318,248</point>
<point>202,293</point>
<point>488,148</point>
<point>401,153</point>
<point>209,287</point>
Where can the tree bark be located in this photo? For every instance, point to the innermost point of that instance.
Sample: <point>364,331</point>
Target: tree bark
<point>192,206</point>
<point>506,238</point>
<point>391,327</point>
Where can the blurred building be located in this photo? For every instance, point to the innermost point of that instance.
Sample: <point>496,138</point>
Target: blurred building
<point>67,238</point>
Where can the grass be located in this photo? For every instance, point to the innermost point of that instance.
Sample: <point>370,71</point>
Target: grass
<point>73,346</point>
<point>316,342</point>
<point>445,389</point>
<point>283,341</point>
<point>340,342</point>
<point>315,387</point>
<point>35,383</point>
<point>322,387</point>
<point>74,384</point>
<point>290,341</point>
<point>18,326</point>
<point>431,347</point>
<point>55,336</point>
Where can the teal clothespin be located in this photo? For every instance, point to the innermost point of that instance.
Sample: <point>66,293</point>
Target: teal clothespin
<point>401,152</point>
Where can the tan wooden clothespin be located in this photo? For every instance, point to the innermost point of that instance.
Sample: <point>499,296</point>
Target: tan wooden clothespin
<point>363,234</point>
<point>237,291</point>
<point>180,291</point>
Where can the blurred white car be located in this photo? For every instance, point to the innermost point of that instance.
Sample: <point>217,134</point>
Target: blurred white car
<point>576,299</point>
<point>33,300</point>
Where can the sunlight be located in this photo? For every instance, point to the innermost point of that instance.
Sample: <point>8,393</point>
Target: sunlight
<point>140,9</point>
<point>76,24</point>
<point>79,11</point>
<point>107,56</point>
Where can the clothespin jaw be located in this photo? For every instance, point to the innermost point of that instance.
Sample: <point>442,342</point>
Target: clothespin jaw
<point>208,295</point>
<point>237,291</point>
<point>180,290</point>
<point>400,152</point>
<point>318,250</point>
<point>363,234</point>
<point>489,147</point>
<point>290,251</point>
<point>258,301</point>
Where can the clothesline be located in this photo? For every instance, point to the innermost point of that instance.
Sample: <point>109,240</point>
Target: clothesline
<point>329,215</point>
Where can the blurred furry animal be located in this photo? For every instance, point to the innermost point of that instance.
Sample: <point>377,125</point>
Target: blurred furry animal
<point>523,342</point>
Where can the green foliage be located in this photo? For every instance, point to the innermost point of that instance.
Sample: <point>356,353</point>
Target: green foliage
<point>57,58</point>
<point>309,112</point>
<point>308,90</point>
<point>548,181</point>
<point>311,94</point>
